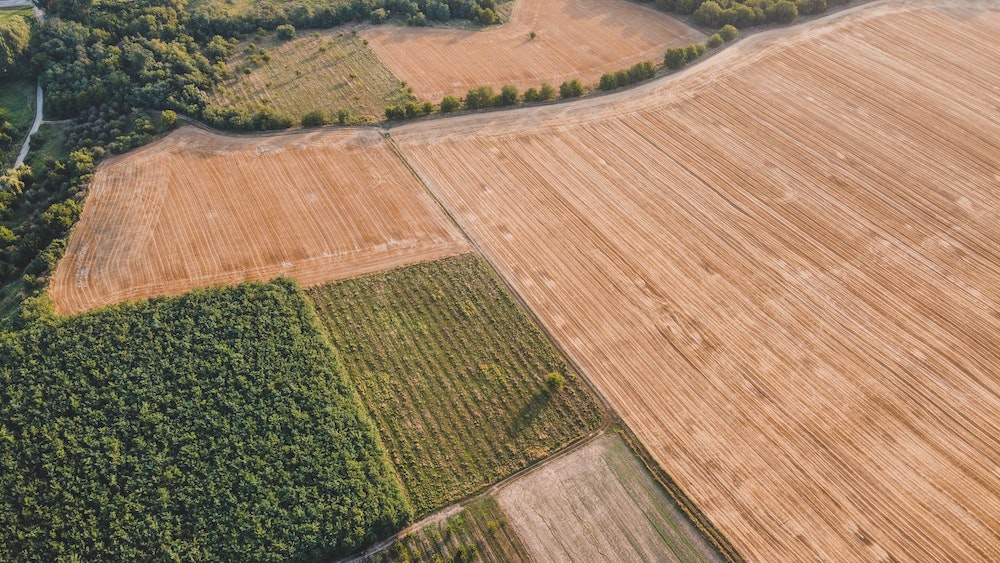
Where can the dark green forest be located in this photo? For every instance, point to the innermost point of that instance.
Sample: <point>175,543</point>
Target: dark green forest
<point>213,426</point>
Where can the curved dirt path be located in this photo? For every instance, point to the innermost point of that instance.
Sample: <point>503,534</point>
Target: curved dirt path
<point>34,126</point>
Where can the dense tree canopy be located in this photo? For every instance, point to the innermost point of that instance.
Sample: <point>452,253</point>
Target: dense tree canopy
<point>15,35</point>
<point>213,426</point>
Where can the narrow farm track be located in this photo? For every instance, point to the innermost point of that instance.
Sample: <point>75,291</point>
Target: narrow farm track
<point>199,209</point>
<point>574,39</point>
<point>782,268</point>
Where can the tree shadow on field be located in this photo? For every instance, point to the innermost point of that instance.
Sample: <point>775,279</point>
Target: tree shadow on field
<point>530,412</point>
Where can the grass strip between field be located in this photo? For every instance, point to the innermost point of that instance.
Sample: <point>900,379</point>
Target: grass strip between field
<point>454,374</point>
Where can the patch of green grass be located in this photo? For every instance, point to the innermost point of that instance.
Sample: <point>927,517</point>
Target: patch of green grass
<point>213,426</point>
<point>480,532</point>
<point>330,71</point>
<point>48,145</point>
<point>453,372</point>
<point>11,13</point>
<point>17,102</point>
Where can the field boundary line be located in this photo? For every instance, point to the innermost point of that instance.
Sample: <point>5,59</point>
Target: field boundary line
<point>610,418</point>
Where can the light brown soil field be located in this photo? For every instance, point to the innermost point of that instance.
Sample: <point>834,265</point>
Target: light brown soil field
<point>575,39</point>
<point>599,503</point>
<point>782,268</point>
<point>199,209</point>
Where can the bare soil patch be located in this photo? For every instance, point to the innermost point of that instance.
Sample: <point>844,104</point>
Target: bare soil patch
<point>599,503</point>
<point>199,209</point>
<point>782,268</point>
<point>575,39</point>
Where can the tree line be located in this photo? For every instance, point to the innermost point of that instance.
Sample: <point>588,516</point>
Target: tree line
<point>745,13</point>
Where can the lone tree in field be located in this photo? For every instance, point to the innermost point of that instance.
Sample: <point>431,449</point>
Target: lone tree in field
<point>554,382</point>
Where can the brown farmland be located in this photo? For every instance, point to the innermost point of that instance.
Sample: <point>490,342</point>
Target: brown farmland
<point>600,500</point>
<point>199,209</point>
<point>782,268</point>
<point>575,39</point>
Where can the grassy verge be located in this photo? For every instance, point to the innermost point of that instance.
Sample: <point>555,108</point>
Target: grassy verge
<point>454,374</point>
<point>332,71</point>
<point>480,532</point>
<point>213,426</point>
<point>17,107</point>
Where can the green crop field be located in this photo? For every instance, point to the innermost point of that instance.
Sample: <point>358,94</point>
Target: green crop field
<point>330,71</point>
<point>454,374</point>
<point>213,426</point>
<point>479,532</point>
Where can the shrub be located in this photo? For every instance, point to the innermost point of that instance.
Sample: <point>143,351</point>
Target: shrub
<point>314,118</point>
<point>571,88</point>
<point>531,95</point>
<point>693,51</point>
<point>714,41</point>
<point>783,12</point>
<point>450,104</point>
<point>546,92</point>
<point>395,112</point>
<point>413,109</point>
<point>509,96</point>
<point>728,33</point>
<point>417,20</point>
<point>378,16</point>
<point>808,7</point>
<point>168,120</point>
<point>608,82</point>
<point>285,31</point>
<point>482,97</point>
<point>555,381</point>
<point>487,17</point>
<point>675,58</point>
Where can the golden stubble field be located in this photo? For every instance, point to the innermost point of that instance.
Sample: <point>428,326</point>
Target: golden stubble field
<point>782,268</point>
<point>199,209</point>
<point>575,39</point>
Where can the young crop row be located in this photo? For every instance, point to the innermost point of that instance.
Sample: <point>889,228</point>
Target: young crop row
<point>453,373</point>
<point>480,532</point>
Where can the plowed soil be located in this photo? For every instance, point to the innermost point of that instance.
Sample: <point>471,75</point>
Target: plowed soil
<point>575,39</point>
<point>782,268</point>
<point>600,504</point>
<point>201,209</point>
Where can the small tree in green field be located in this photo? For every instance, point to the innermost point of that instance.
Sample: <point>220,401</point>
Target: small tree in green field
<point>554,382</point>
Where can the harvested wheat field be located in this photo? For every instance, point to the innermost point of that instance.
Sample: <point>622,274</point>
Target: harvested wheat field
<point>199,209</point>
<point>575,39</point>
<point>781,267</point>
<point>600,503</point>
